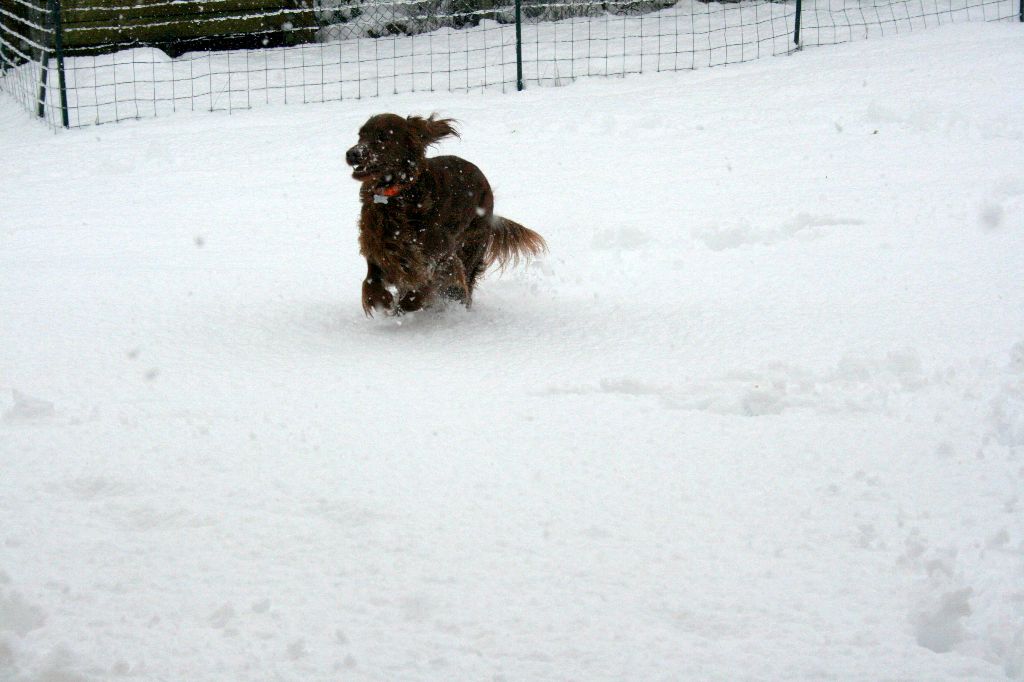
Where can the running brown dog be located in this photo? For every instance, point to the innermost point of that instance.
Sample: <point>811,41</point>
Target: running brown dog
<point>427,227</point>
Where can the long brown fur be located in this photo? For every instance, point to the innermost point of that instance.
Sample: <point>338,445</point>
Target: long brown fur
<point>427,226</point>
<point>510,241</point>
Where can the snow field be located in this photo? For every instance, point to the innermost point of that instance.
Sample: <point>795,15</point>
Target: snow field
<point>759,414</point>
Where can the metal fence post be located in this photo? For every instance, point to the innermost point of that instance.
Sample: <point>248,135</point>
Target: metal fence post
<point>44,67</point>
<point>519,45</point>
<point>58,44</point>
<point>44,71</point>
<point>796,24</point>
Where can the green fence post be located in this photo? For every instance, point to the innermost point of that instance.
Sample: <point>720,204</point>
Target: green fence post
<point>44,68</point>
<point>58,44</point>
<point>796,24</point>
<point>519,45</point>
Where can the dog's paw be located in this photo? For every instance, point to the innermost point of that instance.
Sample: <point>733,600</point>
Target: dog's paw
<point>457,294</point>
<point>378,306</point>
<point>413,301</point>
<point>376,298</point>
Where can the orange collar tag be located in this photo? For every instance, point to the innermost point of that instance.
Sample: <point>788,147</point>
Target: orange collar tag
<point>391,191</point>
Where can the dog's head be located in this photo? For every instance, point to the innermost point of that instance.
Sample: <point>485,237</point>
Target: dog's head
<point>391,149</point>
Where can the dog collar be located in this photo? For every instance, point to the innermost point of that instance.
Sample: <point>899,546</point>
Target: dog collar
<point>381,195</point>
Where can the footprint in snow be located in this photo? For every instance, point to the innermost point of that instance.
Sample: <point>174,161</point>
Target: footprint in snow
<point>803,226</point>
<point>26,407</point>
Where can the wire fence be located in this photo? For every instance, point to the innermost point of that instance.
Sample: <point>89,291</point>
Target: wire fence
<point>82,62</point>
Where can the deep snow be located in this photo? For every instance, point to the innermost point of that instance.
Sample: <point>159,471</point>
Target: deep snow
<point>758,415</point>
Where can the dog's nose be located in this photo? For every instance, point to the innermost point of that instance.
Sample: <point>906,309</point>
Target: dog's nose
<point>355,155</point>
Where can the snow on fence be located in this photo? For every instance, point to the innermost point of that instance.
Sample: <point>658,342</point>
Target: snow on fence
<point>84,64</point>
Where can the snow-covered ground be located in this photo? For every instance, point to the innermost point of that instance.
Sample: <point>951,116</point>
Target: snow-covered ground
<point>759,414</point>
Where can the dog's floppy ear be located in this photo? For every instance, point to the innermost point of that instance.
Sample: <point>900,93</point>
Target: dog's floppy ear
<point>427,131</point>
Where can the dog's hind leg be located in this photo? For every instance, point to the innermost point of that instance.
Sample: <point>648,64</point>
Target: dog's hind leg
<point>452,276</point>
<point>472,256</point>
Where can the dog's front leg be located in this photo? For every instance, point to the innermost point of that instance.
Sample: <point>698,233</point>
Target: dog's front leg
<point>375,294</point>
<point>416,299</point>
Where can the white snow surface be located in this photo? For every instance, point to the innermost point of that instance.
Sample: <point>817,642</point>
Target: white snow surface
<point>759,413</point>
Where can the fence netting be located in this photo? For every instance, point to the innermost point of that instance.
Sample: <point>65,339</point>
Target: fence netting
<point>141,58</point>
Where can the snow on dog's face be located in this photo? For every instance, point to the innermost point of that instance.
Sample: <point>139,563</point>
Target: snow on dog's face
<point>391,149</point>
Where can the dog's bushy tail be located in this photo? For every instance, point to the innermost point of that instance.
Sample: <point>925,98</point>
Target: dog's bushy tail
<point>510,241</point>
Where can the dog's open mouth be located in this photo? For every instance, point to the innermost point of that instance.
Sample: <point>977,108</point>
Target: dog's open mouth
<point>362,172</point>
